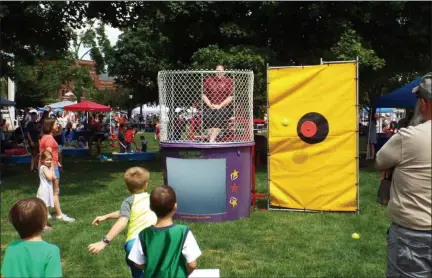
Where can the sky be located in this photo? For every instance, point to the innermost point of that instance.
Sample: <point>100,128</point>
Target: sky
<point>112,34</point>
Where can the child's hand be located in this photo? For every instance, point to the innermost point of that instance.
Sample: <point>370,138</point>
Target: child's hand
<point>97,247</point>
<point>98,220</point>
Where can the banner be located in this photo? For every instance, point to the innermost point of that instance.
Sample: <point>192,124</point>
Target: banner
<point>313,137</point>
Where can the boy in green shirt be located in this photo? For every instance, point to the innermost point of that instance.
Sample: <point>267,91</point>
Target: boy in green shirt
<point>30,256</point>
<point>165,249</point>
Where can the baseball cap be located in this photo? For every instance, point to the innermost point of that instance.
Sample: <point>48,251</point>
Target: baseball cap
<point>424,90</point>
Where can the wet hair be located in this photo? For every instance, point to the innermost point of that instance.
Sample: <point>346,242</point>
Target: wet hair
<point>136,179</point>
<point>28,216</point>
<point>162,200</point>
<point>45,155</point>
<point>48,126</point>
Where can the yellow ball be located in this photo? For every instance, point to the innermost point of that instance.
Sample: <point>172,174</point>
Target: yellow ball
<point>285,122</point>
<point>355,236</point>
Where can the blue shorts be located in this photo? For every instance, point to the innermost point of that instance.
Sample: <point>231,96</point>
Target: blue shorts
<point>136,272</point>
<point>57,172</point>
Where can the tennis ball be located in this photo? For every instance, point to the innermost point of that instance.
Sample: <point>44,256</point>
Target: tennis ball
<point>355,236</point>
<point>285,122</point>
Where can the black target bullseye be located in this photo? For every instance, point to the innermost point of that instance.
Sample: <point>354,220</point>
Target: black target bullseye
<point>313,128</point>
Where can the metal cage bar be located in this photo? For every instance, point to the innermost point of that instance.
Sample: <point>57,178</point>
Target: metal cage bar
<point>268,136</point>
<point>357,61</point>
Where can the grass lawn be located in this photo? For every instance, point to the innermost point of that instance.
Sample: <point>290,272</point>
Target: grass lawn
<point>267,244</point>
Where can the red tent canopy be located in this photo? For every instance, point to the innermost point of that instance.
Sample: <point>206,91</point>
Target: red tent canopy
<point>87,106</point>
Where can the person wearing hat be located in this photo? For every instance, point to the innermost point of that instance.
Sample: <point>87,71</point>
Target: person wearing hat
<point>408,155</point>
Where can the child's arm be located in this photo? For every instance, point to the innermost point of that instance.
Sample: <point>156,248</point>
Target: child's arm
<point>191,252</point>
<point>112,215</point>
<point>116,229</point>
<point>190,267</point>
<point>49,173</point>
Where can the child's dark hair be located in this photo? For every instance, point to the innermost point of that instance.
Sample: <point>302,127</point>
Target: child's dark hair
<point>162,200</point>
<point>81,139</point>
<point>45,155</point>
<point>142,137</point>
<point>28,216</point>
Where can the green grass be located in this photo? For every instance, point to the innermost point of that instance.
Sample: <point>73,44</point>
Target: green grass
<point>267,244</point>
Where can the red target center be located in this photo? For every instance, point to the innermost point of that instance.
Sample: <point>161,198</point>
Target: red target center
<point>308,129</point>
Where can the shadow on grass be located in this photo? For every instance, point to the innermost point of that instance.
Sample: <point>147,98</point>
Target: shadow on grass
<point>81,176</point>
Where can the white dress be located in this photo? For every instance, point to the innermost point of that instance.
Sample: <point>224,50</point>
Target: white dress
<point>45,191</point>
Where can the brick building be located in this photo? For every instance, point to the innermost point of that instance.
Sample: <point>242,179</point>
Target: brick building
<point>101,82</point>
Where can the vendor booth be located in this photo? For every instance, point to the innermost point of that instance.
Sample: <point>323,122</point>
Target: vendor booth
<point>84,106</point>
<point>399,98</point>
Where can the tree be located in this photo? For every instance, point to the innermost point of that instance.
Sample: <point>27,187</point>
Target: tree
<point>179,35</point>
<point>31,30</point>
<point>118,97</point>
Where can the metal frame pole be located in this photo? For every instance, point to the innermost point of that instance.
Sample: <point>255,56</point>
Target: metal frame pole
<point>268,136</point>
<point>357,136</point>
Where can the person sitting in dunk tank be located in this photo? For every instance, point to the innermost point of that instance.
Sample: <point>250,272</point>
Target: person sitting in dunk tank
<point>218,96</point>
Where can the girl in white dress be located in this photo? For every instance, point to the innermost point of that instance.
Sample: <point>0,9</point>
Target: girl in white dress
<point>46,175</point>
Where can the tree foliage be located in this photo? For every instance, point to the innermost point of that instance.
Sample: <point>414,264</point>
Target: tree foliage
<point>33,29</point>
<point>180,35</point>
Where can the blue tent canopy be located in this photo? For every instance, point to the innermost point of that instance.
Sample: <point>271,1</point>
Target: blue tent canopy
<point>6,102</point>
<point>378,110</point>
<point>400,98</point>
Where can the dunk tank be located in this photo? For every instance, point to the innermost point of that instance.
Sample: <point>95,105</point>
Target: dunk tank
<point>206,139</point>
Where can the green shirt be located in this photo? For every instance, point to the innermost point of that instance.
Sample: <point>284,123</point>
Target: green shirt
<point>163,250</point>
<point>31,259</point>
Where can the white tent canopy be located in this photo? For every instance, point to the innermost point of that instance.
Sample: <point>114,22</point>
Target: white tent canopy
<point>147,110</point>
<point>61,104</point>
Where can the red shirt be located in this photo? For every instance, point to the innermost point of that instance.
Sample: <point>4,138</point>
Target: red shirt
<point>129,135</point>
<point>49,141</point>
<point>217,89</point>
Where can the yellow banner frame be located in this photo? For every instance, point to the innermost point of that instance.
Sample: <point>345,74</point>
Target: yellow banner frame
<point>269,207</point>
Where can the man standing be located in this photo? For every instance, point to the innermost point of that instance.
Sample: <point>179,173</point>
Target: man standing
<point>33,131</point>
<point>408,154</point>
<point>218,96</point>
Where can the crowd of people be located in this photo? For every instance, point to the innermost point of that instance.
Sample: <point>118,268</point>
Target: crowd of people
<point>156,247</point>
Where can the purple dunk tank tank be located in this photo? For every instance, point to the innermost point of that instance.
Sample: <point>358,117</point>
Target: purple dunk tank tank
<point>207,142</point>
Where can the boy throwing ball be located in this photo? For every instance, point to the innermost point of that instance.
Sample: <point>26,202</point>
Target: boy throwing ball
<point>135,214</point>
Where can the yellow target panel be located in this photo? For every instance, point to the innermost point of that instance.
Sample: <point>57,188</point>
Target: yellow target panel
<point>313,137</point>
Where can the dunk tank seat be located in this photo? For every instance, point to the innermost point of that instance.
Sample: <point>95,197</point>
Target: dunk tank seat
<point>212,181</point>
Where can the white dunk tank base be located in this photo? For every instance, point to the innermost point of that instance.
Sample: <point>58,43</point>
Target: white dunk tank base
<point>205,273</point>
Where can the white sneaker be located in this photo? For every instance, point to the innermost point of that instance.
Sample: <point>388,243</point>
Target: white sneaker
<point>49,216</point>
<point>65,218</point>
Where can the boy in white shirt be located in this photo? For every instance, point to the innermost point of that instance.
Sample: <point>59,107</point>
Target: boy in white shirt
<point>171,250</point>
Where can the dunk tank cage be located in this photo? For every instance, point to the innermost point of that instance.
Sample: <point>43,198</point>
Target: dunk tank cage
<point>212,178</point>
